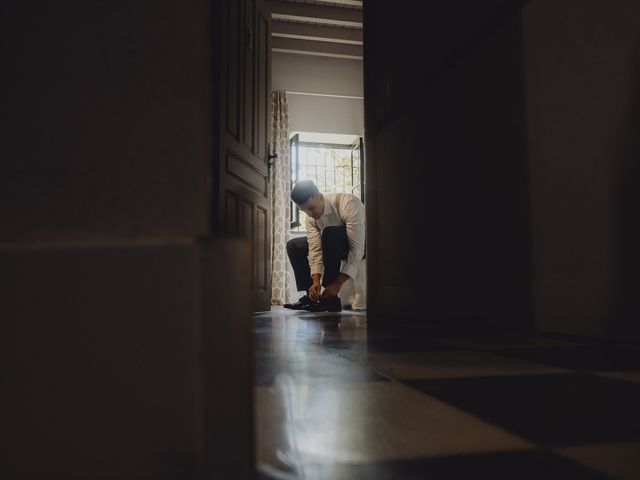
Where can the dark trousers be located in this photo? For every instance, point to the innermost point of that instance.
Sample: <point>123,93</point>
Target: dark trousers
<point>335,248</point>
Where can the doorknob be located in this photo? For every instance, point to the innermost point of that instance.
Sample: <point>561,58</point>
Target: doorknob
<point>270,160</point>
<point>271,155</point>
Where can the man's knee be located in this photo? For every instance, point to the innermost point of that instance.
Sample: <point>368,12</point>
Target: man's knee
<point>335,242</point>
<point>296,244</point>
<point>334,234</point>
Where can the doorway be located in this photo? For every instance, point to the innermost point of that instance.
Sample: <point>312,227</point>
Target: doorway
<point>317,68</point>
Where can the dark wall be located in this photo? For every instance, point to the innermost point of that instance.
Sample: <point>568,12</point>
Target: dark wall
<point>113,358</point>
<point>115,339</point>
<point>105,111</point>
<point>503,155</point>
<point>583,81</point>
<point>101,381</point>
<point>447,158</point>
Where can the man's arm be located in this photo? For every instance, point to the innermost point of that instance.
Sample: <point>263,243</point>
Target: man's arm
<point>352,210</point>
<point>314,238</point>
<point>352,213</point>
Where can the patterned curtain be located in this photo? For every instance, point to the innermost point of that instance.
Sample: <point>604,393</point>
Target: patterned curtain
<point>280,201</point>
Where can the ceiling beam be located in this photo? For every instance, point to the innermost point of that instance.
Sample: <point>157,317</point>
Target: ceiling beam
<point>322,49</point>
<point>304,12</point>
<point>323,33</point>
<point>353,3</point>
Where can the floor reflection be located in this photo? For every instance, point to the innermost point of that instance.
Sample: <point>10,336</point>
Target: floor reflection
<point>334,402</point>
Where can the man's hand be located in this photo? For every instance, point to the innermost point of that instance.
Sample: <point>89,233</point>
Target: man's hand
<point>314,290</point>
<point>333,288</point>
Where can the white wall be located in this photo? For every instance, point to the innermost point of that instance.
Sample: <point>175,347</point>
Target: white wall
<point>325,76</point>
<point>306,73</point>
<point>325,114</point>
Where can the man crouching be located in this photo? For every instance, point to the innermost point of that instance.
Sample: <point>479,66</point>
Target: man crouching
<point>335,232</point>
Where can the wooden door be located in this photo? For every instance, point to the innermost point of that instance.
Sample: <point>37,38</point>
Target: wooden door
<point>243,190</point>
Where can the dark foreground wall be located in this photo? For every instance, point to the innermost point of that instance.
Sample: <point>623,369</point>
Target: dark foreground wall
<point>114,340</point>
<point>122,362</point>
<point>583,104</point>
<point>105,113</point>
<point>503,163</point>
<point>447,163</point>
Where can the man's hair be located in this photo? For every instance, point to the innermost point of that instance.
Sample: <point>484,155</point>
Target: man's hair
<point>303,191</point>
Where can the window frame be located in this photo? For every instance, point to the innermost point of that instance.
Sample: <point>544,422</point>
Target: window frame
<point>294,142</point>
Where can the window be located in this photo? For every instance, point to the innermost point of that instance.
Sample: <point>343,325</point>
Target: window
<point>334,168</point>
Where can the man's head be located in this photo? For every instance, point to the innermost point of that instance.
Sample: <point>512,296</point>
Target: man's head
<point>306,195</point>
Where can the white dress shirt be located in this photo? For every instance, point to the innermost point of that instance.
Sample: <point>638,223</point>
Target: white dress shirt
<point>340,209</point>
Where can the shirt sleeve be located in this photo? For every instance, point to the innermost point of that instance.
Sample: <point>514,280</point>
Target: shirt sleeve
<point>314,237</point>
<point>353,216</point>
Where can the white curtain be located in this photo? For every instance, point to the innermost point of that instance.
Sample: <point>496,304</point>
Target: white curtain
<point>280,200</point>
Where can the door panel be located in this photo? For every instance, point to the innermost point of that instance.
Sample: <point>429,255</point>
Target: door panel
<point>261,249</point>
<point>232,97</point>
<point>244,172</point>
<point>246,219</point>
<point>230,213</point>
<point>263,96</point>
<point>244,176</point>
<point>249,74</point>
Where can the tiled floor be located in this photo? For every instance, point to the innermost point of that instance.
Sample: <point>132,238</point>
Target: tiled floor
<point>336,402</point>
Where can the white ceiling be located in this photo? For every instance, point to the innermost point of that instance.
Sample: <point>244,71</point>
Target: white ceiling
<point>327,28</point>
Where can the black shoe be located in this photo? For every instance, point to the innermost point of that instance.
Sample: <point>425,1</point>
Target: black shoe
<point>301,304</point>
<point>331,304</point>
